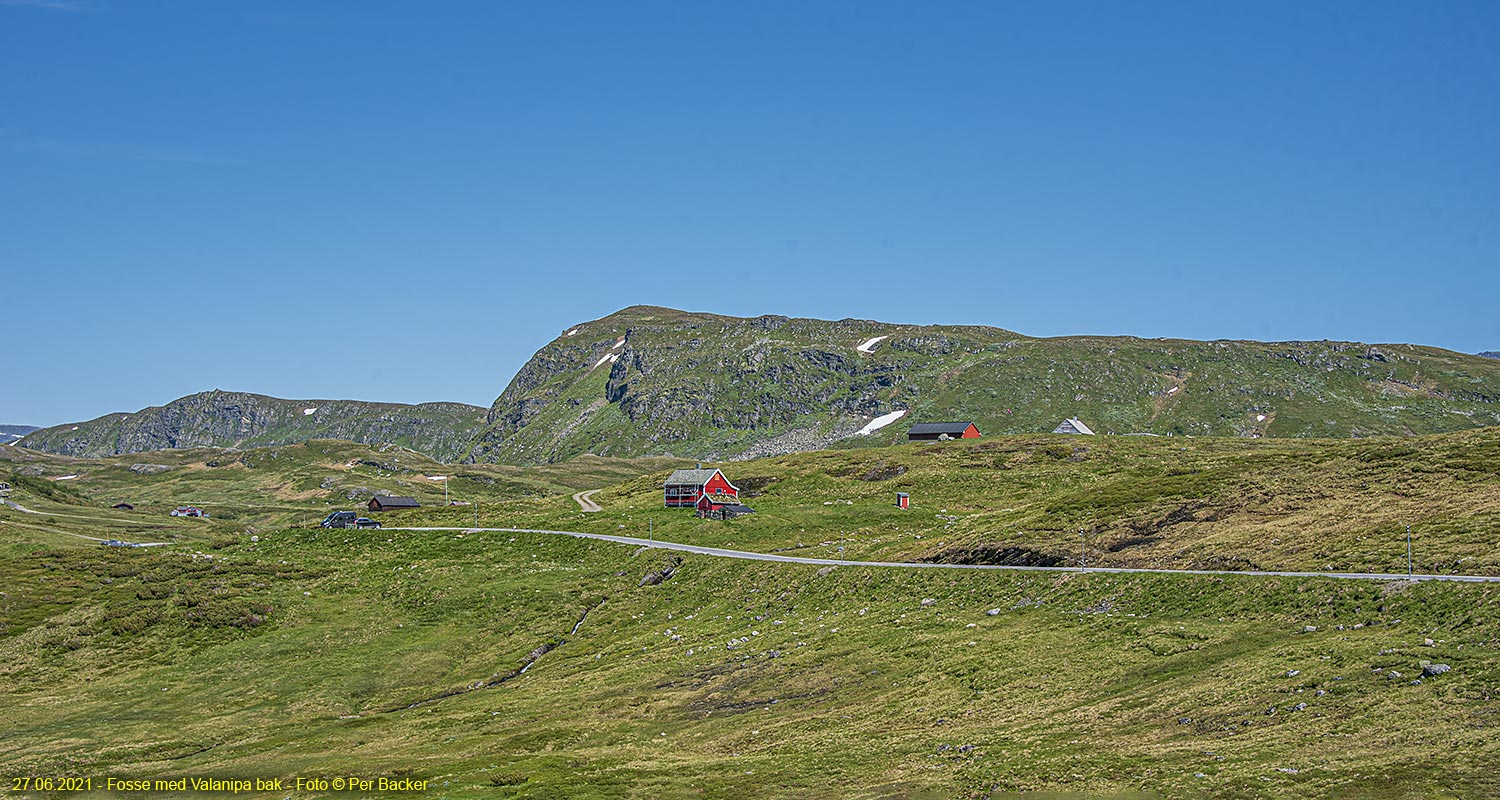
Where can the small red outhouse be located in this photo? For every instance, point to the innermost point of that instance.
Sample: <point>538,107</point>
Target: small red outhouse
<point>903,500</point>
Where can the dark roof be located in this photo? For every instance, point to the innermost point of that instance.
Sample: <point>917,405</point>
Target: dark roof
<point>738,509</point>
<point>950,428</point>
<point>692,477</point>
<point>391,501</point>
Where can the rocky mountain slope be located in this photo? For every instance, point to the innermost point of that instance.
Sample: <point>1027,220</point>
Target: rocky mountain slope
<point>10,433</point>
<point>650,380</point>
<point>239,419</point>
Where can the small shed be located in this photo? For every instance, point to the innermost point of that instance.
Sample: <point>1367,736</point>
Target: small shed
<point>392,503</point>
<point>685,487</point>
<point>932,431</point>
<point>709,509</point>
<point>903,500</point>
<point>123,506</point>
<point>1073,425</point>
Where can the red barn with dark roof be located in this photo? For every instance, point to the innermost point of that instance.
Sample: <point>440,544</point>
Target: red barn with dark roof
<point>685,487</point>
<point>928,431</point>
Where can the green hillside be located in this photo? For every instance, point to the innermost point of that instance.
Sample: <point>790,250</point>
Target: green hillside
<point>244,649</point>
<point>398,655</point>
<point>659,381</point>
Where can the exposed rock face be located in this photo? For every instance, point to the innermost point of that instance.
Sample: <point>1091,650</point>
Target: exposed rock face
<point>238,419</point>
<point>658,381</point>
<point>1490,354</point>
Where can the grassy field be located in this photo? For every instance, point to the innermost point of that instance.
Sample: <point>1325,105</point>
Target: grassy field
<point>287,652</point>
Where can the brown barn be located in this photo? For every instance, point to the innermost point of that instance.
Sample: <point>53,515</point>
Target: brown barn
<point>930,431</point>
<point>392,503</point>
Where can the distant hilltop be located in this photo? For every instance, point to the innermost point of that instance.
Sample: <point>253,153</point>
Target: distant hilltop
<point>1490,354</point>
<point>240,419</point>
<point>663,382</point>
<point>10,434</point>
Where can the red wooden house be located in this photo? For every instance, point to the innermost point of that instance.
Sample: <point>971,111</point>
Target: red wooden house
<point>685,487</point>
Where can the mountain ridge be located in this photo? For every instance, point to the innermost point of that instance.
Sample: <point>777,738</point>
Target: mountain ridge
<point>243,419</point>
<point>655,380</point>
<point>649,380</point>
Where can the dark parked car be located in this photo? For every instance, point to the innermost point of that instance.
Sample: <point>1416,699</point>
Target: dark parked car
<point>366,522</point>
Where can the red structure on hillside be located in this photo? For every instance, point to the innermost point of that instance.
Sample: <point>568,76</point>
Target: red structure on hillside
<point>685,487</point>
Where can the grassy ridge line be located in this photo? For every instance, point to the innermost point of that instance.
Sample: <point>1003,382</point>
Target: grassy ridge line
<point>284,656</point>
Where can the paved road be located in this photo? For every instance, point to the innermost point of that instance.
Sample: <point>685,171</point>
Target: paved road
<point>834,562</point>
<point>586,502</point>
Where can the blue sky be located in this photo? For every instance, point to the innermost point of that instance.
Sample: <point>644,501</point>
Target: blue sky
<point>282,196</point>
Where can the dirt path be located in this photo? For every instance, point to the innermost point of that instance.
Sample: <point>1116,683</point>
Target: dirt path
<point>585,500</point>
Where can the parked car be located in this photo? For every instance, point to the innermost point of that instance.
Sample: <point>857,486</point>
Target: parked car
<point>340,519</point>
<point>366,522</point>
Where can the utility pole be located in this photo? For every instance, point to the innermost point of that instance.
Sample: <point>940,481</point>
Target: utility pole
<point>650,529</point>
<point>1408,551</point>
<point>1082,549</point>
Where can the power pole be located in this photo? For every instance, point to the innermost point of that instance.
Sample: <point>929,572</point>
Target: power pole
<point>1082,549</point>
<point>1408,551</point>
<point>650,529</point>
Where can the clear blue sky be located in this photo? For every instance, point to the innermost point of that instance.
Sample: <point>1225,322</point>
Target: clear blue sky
<point>284,197</point>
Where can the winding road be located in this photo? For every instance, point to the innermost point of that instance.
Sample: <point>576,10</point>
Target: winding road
<point>834,562</point>
<point>586,502</point>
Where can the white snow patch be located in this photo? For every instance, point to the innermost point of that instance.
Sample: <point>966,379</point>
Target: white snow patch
<point>307,412</point>
<point>869,345</point>
<point>66,477</point>
<point>573,332</point>
<point>75,427</point>
<point>1173,390</point>
<point>610,357</point>
<point>620,343</point>
<point>881,421</point>
<point>437,477</point>
<point>1260,417</point>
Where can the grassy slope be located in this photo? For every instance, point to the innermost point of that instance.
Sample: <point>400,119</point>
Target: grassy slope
<point>299,653</point>
<point>1313,505</point>
<point>149,664</point>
